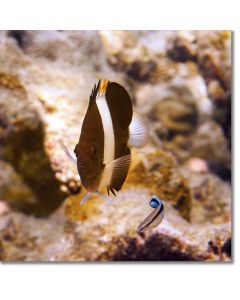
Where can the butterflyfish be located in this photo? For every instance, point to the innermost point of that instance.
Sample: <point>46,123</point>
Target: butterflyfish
<point>110,128</point>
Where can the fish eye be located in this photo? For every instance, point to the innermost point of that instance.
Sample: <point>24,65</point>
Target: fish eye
<point>93,151</point>
<point>75,149</point>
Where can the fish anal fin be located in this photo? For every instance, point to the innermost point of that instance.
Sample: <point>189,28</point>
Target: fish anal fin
<point>112,190</point>
<point>138,131</point>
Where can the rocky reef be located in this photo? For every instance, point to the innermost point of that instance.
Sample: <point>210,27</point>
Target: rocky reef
<point>180,81</point>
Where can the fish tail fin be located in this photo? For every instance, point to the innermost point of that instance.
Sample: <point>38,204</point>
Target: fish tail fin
<point>89,194</point>
<point>85,198</point>
<point>138,131</point>
<point>68,153</point>
<point>109,200</point>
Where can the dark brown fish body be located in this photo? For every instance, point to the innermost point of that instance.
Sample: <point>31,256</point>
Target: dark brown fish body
<point>89,150</point>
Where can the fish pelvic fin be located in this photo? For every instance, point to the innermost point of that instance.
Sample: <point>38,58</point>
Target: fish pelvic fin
<point>71,157</point>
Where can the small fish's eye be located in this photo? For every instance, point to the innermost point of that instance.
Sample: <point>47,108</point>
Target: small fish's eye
<point>154,202</point>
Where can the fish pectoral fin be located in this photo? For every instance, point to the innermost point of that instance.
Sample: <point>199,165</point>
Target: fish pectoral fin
<point>119,169</point>
<point>68,153</point>
<point>138,131</point>
<point>124,162</point>
<point>152,220</point>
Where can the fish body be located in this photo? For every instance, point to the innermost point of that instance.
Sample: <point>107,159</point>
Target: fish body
<point>109,128</point>
<point>155,217</point>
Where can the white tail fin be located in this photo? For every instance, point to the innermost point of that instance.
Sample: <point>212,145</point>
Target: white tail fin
<point>89,194</point>
<point>109,200</point>
<point>85,198</point>
<point>138,131</point>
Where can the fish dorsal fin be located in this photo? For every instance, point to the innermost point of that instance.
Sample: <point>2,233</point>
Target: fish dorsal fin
<point>120,168</point>
<point>138,131</point>
<point>94,93</point>
<point>120,104</point>
<point>102,88</point>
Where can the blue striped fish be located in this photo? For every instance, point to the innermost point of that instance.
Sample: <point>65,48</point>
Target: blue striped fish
<point>155,217</point>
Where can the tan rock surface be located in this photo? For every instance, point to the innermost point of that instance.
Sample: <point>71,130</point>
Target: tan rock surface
<point>178,81</point>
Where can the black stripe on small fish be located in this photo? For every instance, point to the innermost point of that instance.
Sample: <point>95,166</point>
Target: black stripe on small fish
<point>153,215</point>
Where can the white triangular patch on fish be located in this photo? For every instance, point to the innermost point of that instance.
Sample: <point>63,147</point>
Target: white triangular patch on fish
<point>138,131</point>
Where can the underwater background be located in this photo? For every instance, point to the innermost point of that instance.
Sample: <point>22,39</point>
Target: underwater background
<point>180,81</point>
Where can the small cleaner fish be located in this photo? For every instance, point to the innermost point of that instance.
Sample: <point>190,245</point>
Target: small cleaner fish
<point>155,217</point>
<point>109,128</point>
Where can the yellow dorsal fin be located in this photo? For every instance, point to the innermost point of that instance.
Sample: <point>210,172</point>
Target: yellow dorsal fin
<point>103,86</point>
